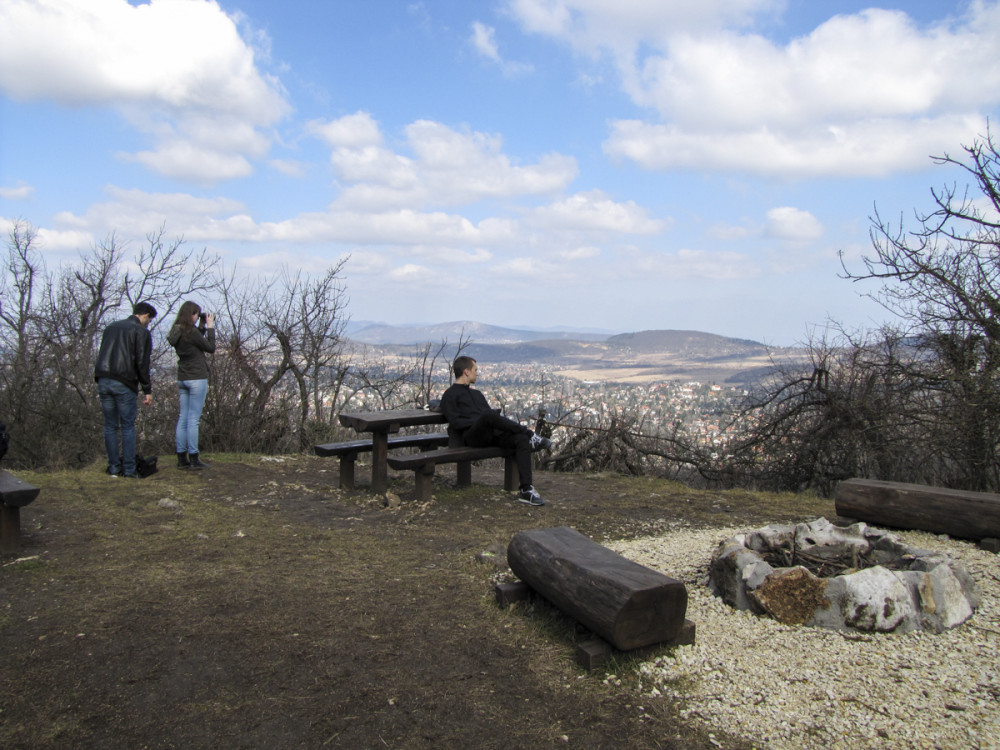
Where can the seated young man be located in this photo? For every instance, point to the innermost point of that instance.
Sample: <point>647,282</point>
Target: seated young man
<point>470,416</point>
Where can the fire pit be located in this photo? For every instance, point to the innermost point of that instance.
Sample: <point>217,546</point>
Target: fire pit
<point>852,578</point>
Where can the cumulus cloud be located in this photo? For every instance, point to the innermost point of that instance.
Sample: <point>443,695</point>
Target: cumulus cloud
<point>793,224</point>
<point>871,148</point>
<point>862,94</point>
<point>177,70</point>
<point>443,167</point>
<point>594,210</point>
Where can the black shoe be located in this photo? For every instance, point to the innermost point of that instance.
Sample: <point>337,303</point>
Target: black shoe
<point>196,463</point>
<point>529,496</point>
<point>182,461</point>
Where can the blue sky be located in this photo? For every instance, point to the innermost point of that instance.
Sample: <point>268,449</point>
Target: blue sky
<point>615,165</point>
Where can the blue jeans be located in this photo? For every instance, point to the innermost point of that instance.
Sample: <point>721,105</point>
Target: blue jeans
<point>120,405</point>
<point>193,394</point>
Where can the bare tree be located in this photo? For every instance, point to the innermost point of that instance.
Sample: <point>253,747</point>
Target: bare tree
<point>50,326</point>
<point>942,279</point>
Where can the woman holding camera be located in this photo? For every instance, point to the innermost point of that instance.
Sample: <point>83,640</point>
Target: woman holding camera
<point>192,336</point>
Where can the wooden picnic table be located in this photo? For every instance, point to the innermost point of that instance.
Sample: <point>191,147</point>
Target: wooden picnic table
<point>380,424</point>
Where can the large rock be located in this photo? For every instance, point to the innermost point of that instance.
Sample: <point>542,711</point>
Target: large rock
<point>907,589</point>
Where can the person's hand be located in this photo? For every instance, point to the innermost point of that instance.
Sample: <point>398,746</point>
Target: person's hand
<point>147,399</point>
<point>210,320</point>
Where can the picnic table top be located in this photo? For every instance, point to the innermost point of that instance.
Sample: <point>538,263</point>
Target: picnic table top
<point>390,420</point>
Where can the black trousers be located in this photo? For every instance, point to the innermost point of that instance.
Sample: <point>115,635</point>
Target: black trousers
<point>494,429</point>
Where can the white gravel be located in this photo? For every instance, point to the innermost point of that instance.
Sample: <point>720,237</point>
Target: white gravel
<point>782,686</point>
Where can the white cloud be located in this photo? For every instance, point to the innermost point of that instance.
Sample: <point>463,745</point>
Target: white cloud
<point>694,264</point>
<point>359,130</point>
<point>873,148</point>
<point>793,224</point>
<point>483,40</point>
<point>862,94</point>
<point>51,241</point>
<point>176,69</point>
<point>447,167</point>
<point>594,210</point>
<point>21,192</point>
<point>621,26</point>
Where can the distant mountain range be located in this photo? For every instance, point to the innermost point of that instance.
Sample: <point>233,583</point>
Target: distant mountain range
<point>642,356</point>
<point>384,334</point>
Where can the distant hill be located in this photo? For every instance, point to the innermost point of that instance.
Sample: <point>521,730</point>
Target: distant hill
<point>642,356</point>
<point>685,343</point>
<point>383,334</point>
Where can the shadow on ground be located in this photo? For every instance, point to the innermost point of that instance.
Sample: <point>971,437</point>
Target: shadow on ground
<point>254,605</point>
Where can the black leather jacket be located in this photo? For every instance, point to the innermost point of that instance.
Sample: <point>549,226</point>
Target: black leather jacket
<point>124,355</point>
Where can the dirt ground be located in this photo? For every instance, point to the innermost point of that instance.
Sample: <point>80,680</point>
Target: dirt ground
<point>255,605</point>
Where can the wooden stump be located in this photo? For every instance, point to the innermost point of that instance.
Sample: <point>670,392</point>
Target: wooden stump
<point>958,513</point>
<point>627,604</point>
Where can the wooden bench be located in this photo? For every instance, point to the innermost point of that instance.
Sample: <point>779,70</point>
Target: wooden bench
<point>422,465</point>
<point>939,510</point>
<point>625,603</point>
<point>14,495</point>
<point>348,452</point>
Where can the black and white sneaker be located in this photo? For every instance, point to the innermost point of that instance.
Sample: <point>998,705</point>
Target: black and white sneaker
<point>529,496</point>
<point>539,443</point>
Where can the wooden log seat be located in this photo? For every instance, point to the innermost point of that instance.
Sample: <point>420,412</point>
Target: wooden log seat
<point>627,604</point>
<point>958,513</point>
<point>422,465</point>
<point>348,452</point>
<point>14,495</point>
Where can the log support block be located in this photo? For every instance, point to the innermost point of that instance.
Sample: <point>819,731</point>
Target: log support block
<point>592,653</point>
<point>509,593</point>
<point>627,604</point>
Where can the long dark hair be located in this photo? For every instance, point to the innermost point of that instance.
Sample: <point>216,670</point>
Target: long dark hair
<point>184,317</point>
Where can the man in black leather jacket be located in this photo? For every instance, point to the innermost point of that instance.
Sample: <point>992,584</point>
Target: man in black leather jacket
<point>122,369</point>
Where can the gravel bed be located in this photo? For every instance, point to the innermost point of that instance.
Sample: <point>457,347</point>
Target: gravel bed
<point>781,686</point>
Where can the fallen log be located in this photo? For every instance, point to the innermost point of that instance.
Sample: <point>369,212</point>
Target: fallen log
<point>627,604</point>
<point>958,513</point>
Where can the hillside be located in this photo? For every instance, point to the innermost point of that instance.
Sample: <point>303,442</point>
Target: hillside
<point>637,357</point>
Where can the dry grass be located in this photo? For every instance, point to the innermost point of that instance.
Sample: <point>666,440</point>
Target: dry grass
<point>255,605</point>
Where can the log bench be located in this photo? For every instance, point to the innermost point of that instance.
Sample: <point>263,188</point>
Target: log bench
<point>625,603</point>
<point>422,465</point>
<point>348,452</point>
<point>14,495</point>
<point>958,513</point>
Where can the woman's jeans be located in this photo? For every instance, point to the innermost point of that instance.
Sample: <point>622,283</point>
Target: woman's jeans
<point>193,394</point>
<point>120,405</point>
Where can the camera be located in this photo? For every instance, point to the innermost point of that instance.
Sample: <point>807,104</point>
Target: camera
<point>202,321</point>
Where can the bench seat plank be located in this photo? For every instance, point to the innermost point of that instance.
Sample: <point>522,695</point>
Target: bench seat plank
<point>422,465</point>
<point>348,451</point>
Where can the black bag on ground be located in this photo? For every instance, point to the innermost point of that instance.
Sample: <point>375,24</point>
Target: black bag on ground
<point>145,466</point>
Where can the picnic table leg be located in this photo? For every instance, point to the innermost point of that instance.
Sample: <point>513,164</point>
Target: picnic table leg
<point>347,470</point>
<point>422,478</point>
<point>511,476</point>
<point>463,472</point>
<point>380,462</point>
<point>10,528</point>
